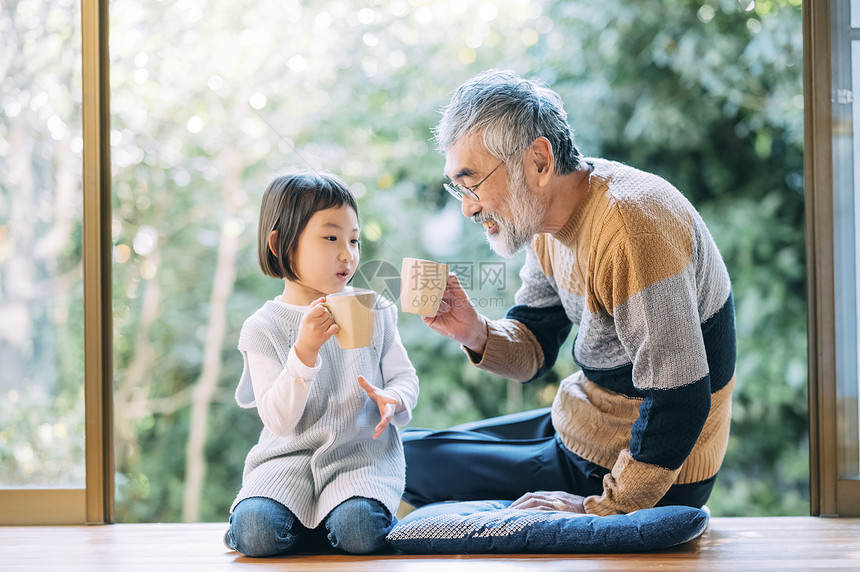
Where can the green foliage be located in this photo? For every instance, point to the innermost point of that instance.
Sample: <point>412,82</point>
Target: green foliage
<point>210,103</point>
<point>41,289</point>
<point>709,97</point>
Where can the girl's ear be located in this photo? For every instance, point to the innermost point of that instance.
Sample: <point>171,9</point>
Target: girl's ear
<point>273,241</point>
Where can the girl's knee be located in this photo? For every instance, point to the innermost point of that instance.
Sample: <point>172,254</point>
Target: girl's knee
<point>359,526</point>
<point>261,527</point>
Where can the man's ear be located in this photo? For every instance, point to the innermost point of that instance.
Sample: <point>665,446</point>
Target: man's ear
<point>273,242</point>
<point>542,159</point>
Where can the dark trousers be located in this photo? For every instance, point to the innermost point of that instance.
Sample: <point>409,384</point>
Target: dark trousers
<point>505,457</point>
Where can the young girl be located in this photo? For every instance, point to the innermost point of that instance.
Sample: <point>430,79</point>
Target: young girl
<point>326,456</point>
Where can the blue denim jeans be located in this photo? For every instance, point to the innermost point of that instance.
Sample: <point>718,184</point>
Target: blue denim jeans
<point>264,527</point>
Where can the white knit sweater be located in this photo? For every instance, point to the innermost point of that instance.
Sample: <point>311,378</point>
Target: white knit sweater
<point>330,455</point>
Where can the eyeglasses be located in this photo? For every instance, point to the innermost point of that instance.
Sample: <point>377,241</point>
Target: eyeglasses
<point>457,191</point>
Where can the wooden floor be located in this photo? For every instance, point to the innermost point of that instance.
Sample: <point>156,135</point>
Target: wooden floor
<point>783,543</point>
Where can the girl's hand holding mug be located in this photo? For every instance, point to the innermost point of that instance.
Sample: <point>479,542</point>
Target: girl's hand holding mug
<point>316,327</point>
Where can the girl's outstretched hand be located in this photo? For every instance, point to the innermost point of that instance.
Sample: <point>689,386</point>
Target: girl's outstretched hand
<point>386,405</point>
<point>316,327</point>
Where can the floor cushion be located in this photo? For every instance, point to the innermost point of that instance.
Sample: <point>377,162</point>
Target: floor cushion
<point>482,527</point>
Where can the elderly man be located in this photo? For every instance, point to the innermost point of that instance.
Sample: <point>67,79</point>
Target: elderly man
<point>621,254</point>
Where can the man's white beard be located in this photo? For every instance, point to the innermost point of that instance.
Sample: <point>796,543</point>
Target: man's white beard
<point>526,215</point>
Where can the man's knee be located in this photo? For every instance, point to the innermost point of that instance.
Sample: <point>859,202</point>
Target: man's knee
<point>413,434</point>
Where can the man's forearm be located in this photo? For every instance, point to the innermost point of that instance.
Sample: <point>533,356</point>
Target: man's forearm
<point>510,350</point>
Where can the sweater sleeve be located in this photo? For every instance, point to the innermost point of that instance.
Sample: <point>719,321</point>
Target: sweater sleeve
<point>280,393</point>
<point>525,344</point>
<point>648,286</point>
<point>398,375</point>
<point>401,382</point>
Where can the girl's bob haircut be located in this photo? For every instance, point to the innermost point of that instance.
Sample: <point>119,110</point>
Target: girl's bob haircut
<point>288,204</point>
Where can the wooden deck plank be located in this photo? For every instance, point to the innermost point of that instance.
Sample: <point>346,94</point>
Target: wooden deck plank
<point>776,543</point>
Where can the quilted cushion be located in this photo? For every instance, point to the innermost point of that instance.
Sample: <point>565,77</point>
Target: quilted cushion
<point>478,527</point>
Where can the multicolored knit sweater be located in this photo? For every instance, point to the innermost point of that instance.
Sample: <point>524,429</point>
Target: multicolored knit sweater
<point>637,271</point>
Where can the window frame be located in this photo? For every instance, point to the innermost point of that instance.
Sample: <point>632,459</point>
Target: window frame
<point>94,503</point>
<point>98,293</point>
<point>830,495</point>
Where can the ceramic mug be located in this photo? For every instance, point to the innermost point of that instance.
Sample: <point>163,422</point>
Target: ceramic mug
<point>352,311</point>
<point>422,283</point>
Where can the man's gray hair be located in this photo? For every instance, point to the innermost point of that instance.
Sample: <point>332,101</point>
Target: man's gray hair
<point>509,112</point>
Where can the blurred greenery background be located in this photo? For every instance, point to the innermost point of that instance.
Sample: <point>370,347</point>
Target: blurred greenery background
<point>212,99</point>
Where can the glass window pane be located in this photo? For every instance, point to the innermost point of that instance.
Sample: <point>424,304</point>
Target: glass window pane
<point>851,381</point>
<point>210,102</point>
<point>41,286</point>
<point>846,184</point>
